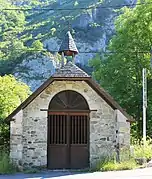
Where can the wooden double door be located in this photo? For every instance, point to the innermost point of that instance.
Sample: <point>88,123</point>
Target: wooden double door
<point>68,140</point>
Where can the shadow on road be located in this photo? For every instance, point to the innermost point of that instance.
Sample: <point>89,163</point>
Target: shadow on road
<point>42,175</point>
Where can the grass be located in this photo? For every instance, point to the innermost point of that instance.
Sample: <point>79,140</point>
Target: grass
<point>6,166</point>
<point>31,171</point>
<point>143,151</point>
<point>125,165</point>
<point>110,163</point>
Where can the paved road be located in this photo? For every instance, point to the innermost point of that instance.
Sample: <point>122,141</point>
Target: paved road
<point>133,174</point>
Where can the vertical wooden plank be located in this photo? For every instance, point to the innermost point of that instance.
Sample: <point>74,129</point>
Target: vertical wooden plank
<point>72,130</point>
<point>63,142</point>
<point>84,130</point>
<point>61,127</point>
<point>68,140</point>
<point>53,139</point>
<point>88,129</point>
<point>59,116</point>
<point>75,126</point>
<point>82,126</point>
<point>54,129</point>
<point>57,129</point>
<point>51,129</point>
<point>73,134</point>
<point>68,130</point>
<point>87,125</point>
<point>81,129</point>
<point>65,129</point>
<point>78,129</point>
<point>58,122</point>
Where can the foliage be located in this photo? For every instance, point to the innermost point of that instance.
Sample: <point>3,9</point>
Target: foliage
<point>10,21</point>
<point>37,45</point>
<point>110,164</point>
<point>11,25</point>
<point>126,165</point>
<point>120,73</point>
<point>12,93</point>
<point>6,166</point>
<point>31,170</point>
<point>143,151</point>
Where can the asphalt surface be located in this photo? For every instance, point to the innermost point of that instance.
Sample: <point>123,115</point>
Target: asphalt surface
<point>128,174</point>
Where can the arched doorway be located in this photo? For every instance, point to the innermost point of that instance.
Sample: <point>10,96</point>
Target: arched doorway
<point>68,131</point>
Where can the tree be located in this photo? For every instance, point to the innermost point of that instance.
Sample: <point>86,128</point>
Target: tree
<point>12,93</point>
<point>11,26</point>
<point>11,22</point>
<point>120,72</point>
<point>37,45</point>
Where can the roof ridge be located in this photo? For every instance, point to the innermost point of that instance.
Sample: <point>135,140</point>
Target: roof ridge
<point>70,70</point>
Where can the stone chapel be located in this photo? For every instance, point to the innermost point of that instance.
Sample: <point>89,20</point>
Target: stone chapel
<point>69,122</point>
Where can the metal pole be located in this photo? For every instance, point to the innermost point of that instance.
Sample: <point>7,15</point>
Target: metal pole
<point>144,124</point>
<point>144,103</point>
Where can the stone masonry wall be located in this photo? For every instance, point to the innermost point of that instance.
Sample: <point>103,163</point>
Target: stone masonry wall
<point>34,134</point>
<point>16,145</point>
<point>123,136</point>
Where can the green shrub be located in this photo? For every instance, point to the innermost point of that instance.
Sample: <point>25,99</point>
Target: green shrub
<point>105,160</point>
<point>126,165</point>
<point>6,166</point>
<point>109,163</point>
<point>143,151</point>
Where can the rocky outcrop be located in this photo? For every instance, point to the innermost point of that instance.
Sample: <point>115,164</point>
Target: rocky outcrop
<point>93,30</point>
<point>35,69</point>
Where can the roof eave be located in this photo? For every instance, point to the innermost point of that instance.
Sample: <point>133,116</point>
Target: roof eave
<point>40,89</point>
<point>88,80</point>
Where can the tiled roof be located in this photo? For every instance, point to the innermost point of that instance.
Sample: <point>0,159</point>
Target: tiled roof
<point>68,44</point>
<point>70,70</point>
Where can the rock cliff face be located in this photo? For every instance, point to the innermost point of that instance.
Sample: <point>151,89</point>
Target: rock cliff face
<point>92,31</point>
<point>35,69</point>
